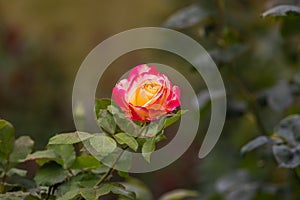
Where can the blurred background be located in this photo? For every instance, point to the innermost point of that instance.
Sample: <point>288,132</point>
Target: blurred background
<point>43,43</point>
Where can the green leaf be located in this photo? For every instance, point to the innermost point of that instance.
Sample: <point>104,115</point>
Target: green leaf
<point>175,118</point>
<point>153,128</point>
<point>16,171</point>
<point>66,152</point>
<point>255,143</point>
<point>80,180</point>
<point>42,157</point>
<point>86,162</point>
<point>45,154</point>
<point>179,194</point>
<point>88,193</point>
<point>282,11</point>
<point>127,125</point>
<point>70,138</point>
<point>160,137</point>
<point>50,174</point>
<point>120,190</point>
<point>101,104</point>
<point>72,194</point>
<point>22,147</point>
<point>124,138</point>
<point>124,123</point>
<point>106,121</point>
<point>104,145</point>
<point>123,162</point>
<point>103,189</point>
<point>148,148</point>
<point>186,17</point>
<point>7,134</point>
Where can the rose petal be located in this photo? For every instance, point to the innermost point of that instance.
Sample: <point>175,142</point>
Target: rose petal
<point>174,101</point>
<point>119,97</point>
<point>140,101</point>
<point>135,72</point>
<point>138,113</point>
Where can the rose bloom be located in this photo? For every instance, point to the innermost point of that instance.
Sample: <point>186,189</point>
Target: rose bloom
<point>146,95</point>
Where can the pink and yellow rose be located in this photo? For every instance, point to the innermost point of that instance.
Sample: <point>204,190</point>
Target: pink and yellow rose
<point>146,95</point>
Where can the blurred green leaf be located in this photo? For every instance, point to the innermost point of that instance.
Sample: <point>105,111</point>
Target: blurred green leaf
<point>16,171</point>
<point>103,145</point>
<point>66,152</point>
<point>289,129</point>
<point>282,11</point>
<point>106,121</point>
<point>226,55</point>
<point>10,197</point>
<point>50,174</point>
<point>120,190</point>
<point>287,157</point>
<point>7,136</point>
<point>174,119</point>
<point>22,147</point>
<point>123,174</point>
<point>86,162</point>
<point>139,188</point>
<point>186,17</point>
<point>237,185</point>
<point>179,194</point>
<point>101,104</point>
<point>280,96</point>
<point>231,180</point>
<point>124,138</point>
<point>255,143</point>
<point>70,138</point>
<point>32,197</point>
<point>244,192</point>
<point>148,148</point>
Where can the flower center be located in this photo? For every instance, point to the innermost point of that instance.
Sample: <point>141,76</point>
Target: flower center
<point>145,93</point>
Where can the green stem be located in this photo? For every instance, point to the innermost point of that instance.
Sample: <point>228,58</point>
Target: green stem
<point>111,169</point>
